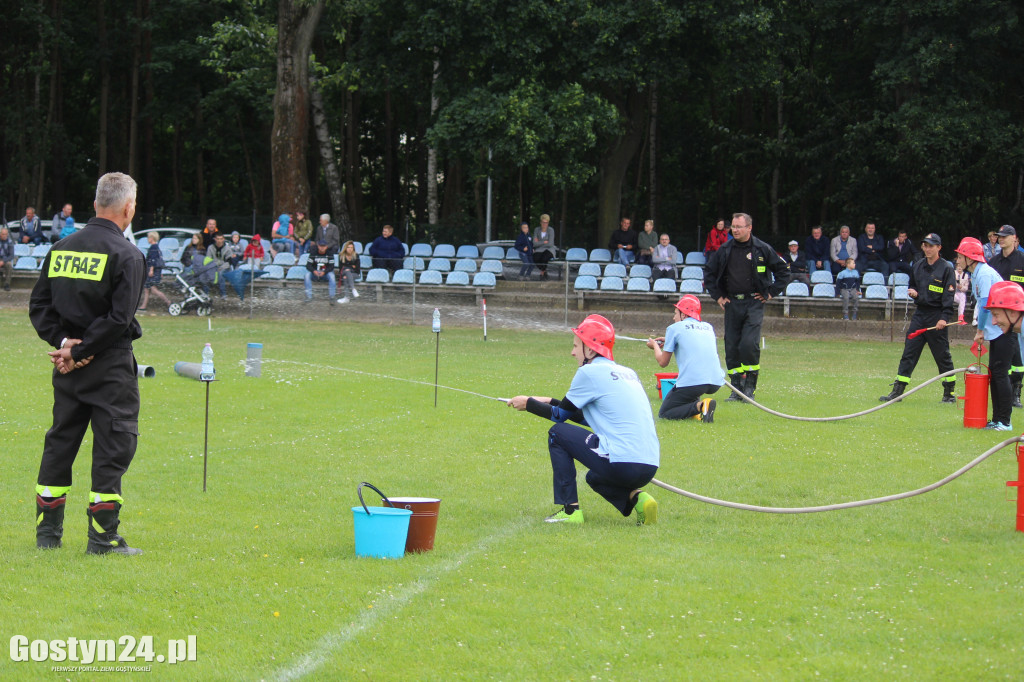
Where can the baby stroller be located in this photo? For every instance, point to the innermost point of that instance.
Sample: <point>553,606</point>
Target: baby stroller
<point>195,284</point>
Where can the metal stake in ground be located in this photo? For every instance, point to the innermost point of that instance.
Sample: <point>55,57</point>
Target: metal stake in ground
<point>206,375</point>
<point>436,327</point>
<point>485,319</point>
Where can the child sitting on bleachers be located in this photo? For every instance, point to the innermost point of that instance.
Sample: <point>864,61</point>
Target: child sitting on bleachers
<point>848,283</point>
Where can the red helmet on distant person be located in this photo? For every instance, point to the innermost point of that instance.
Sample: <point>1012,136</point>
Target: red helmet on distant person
<point>971,248</point>
<point>689,305</point>
<point>1006,295</point>
<point>598,334</point>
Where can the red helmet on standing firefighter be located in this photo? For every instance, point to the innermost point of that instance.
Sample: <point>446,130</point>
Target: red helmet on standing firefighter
<point>598,334</point>
<point>971,247</point>
<point>689,305</point>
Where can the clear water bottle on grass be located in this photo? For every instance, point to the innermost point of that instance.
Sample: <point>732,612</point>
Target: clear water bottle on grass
<point>206,371</point>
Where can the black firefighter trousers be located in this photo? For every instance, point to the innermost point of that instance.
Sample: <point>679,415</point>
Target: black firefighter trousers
<point>105,395</point>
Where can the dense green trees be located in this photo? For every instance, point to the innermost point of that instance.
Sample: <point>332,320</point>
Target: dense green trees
<point>797,111</point>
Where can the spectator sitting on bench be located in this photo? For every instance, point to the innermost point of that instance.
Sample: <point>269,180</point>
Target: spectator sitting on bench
<point>797,262</point>
<point>387,251</point>
<point>664,259</point>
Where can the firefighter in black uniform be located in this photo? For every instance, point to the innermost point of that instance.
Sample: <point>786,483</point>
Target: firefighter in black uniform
<point>932,285</point>
<point>742,275</point>
<point>84,306</point>
<point>1009,263</point>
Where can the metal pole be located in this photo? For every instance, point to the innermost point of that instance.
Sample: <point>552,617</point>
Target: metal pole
<point>566,321</point>
<point>490,194</point>
<point>206,434</point>
<point>437,355</point>
<point>485,319</point>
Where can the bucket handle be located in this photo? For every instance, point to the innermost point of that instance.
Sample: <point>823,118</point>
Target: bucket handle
<point>359,492</point>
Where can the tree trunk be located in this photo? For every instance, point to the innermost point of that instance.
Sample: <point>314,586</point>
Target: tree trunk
<point>777,171</point>
<point>101,22</point>
<point>652,181</point>
<point>148,198</point>
<point>133,119</point>
<point>248,163</point>
<point>351,164</point>
<point>616,162</point>
<point>331,174</point>
<point>296,23</point>
<point>431,151</point>
<point>200,160</point>
<point>390,156</point>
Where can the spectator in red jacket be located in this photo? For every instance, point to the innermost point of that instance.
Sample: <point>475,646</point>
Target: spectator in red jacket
<point>718,236</point>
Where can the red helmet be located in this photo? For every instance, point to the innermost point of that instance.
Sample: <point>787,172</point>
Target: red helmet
<point>689,305</point>
<point>1006,295</point>
<point>598,334</point>
<point>971,248</point>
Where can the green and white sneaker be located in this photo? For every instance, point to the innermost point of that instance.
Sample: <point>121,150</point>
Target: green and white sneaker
<point>646,509</point>
<point>562,517</point>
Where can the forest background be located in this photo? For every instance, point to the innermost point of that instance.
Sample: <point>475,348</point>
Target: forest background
<point>398,111</point>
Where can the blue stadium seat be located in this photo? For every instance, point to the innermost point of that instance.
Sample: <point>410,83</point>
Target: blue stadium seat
<point>440,264</point>
<point>26,263</point>
<point>899,293</point>
<point>872,278</point>
<point>365,262</point>
<point>378,276</point>
<point>592,269</point>
<point>611,284</point>
<point>296,272</point>
<point>304,258</point>
<point>692,272</point>
<point>797,289</point>
<point>459,278</point>
<point>576,255</point>
<point>600,256</point>
<point>823,291</point>
<point>467,251</point>
<point>284,259</point>
<point>403,276</point>
<point>272,272</point>
<point>899,279</point>
<point>691,286</point>
<point>171,243</point>
<point>430,277</point>
<point>511,254</point>
<point>465,265</point>
<point>615,270</point>
<point>876,292</point>
<point>422,250</point>
<point>585,283</point>
<point>22,249</point>
<point>359,247</point>
<point>640,271</point>
<point>494,253</point>
<point>695,258</point>
<point>680,260</point>
<point>638,284</point>
<point>444,251</point>
<point>484,279</point>
<point>413,263</point>
<point>821,277</point>
<point>665,285</point>
<point>492,266</point>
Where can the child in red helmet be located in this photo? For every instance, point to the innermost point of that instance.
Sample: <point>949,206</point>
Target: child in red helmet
<point>622,452</point>
<point>700,371</point>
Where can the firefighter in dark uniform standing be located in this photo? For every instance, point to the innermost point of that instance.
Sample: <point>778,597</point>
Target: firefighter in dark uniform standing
<point>84,305</point>
<point>742,276</point>
<point>932,285</point>
<point>1009,263</point>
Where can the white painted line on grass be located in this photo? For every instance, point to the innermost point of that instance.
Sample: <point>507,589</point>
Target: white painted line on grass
<point>314,659</point>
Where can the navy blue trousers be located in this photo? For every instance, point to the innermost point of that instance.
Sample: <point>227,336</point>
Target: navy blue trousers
<point>614,481</point>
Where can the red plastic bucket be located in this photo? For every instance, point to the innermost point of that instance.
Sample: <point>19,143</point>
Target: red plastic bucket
<point>423,524</point>
<point>659,376</point>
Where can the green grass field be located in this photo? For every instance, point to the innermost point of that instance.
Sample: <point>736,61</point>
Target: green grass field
<point>261,567</point>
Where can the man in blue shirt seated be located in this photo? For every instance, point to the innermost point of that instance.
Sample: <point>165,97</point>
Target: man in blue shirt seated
<point>387,251</point>
<point>622,453</point>
<point>700,371</point>
<point>871,251</point>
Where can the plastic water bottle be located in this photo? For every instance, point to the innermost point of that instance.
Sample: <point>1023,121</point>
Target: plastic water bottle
<point>436,327</point>
<point>206,371</point>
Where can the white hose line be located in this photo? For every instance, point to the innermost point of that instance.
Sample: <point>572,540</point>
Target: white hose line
<point>842,505</point>
<point>876,408</point>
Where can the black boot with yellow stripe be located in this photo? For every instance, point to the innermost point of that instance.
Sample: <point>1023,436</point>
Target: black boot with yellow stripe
<point>103,537</point>
<point>49,521</point>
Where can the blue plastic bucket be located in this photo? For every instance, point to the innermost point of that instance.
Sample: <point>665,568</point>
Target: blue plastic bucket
<point>666,386</point>
<point>380,531</point>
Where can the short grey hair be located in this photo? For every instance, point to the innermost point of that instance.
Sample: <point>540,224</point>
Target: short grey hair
<point>325,216</point>
<point>114,190</point>
<point>744,217</point>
